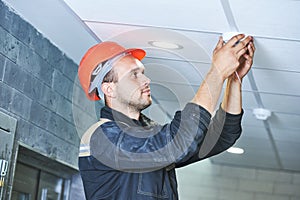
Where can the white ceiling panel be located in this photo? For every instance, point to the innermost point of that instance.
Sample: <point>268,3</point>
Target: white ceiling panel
<point>254,132</point>
<point>286,135</point>
<point>281,103</point>
<point>185,93</point>
<point>248,100</point>
<point>277,82</point>
<point>285,121</point>
<point>258,150</point>
<point>209,16</point>
<point>170,101</point>
<point>207,40</point>
<point>169,91</point>
<point>268,18</point>
<point>277,54</point>
<point>169,71</point>
<point>246,85</point>
<point>106,31</point>
<point>290,159</point>
<point>253,144</point>
<point>288,148</point>
<point>162,92</point>
<point>182,72</point>
<point>131,36</point>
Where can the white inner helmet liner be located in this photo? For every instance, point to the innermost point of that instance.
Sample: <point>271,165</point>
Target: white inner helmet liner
<point>101,70</point>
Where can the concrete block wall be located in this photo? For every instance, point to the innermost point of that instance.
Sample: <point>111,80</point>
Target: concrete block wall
<point>205,180</point>
<point>37,81</point>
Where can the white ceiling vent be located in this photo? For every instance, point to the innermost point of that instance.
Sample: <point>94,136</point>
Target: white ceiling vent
<point>261,113</point>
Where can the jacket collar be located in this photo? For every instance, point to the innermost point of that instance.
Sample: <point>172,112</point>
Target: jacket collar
<point>109,113</point>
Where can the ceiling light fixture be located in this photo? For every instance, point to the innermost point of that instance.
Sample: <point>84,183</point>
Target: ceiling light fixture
<point>235,150</point>
<point>165,45</point>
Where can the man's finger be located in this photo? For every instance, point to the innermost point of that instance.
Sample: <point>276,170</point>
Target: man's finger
<point>219,44</point>
<point>235,39</point>
<point>241,52</point>
<point>243,43</point>
<point>251,49</point>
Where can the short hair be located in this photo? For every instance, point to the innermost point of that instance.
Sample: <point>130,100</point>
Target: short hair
<point>111,76</point>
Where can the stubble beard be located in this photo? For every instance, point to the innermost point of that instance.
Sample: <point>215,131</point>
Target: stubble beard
<point>137,105</point>
<point>140,105</point>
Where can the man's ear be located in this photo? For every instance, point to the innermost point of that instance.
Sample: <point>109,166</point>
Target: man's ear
<point>107,89</point>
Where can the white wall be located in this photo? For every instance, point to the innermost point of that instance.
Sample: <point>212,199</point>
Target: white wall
<point>205,180</point>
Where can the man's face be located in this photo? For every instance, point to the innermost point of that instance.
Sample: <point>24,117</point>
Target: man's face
<point>132,88</point>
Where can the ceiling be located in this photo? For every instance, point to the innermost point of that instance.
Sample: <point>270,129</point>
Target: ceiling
<point>273,83</point>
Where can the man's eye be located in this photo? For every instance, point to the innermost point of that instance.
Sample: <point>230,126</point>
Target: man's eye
<point>135,74</point>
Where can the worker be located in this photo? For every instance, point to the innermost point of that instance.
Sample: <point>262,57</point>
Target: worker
<point>126,155</point>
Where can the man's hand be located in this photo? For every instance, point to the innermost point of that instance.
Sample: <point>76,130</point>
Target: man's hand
<point>227,58</point>
<point>245,61</point>
<point>232,56</point>
<point>232,101</point>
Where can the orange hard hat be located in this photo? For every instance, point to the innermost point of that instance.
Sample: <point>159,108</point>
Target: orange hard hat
<point>97,54</point>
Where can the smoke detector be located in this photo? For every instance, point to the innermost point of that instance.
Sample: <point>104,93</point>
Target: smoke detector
<point>261,113</point>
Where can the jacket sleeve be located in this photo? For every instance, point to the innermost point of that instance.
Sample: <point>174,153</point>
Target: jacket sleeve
<point>141,149</point>
<point>223,131</point>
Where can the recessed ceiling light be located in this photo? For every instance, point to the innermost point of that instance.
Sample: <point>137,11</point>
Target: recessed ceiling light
<point>165,45</point>
<point>235,150</point>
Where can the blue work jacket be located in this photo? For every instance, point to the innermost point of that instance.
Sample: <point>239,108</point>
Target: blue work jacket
<point>136,159</point>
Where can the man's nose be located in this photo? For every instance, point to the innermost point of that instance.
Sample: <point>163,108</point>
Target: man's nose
<point>146,80</point>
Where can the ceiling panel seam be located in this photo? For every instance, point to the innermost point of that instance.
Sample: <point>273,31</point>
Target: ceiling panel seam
<point>80,21</point>
<point>233,26</point>
<point>277,70</point>
<point>187,30</point>
<point>153,26</point>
